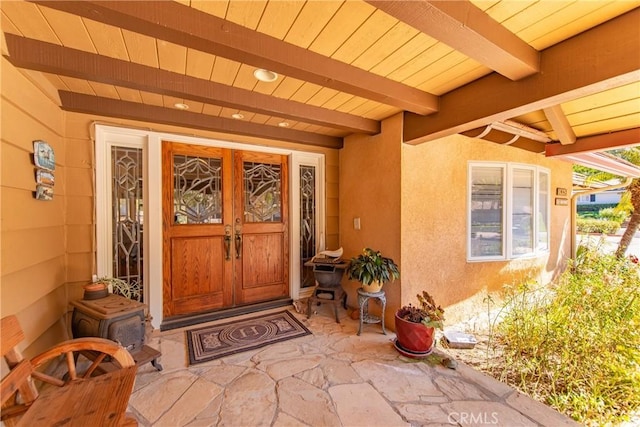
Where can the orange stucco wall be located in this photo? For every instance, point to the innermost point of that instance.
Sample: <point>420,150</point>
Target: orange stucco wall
<point>434,225</point>
<point>370,182</point>
<point>417,214</point>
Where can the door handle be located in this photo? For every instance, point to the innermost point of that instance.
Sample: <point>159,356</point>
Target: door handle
<point>238,241</point>
<point>227,241</point>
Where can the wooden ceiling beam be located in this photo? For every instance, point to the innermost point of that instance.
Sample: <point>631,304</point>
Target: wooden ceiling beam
<point>466,28</point>
<point>601,58</point>
<point>51,58</point>
<point>194,29</point>
<point>96,105</point>
<point>560,124</point>
<point>595,143</point>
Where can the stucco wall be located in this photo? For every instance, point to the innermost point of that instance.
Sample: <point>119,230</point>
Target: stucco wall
<point>417,214</point>
<point>34,233</point>
<point>370,179</point>
<point>434,224</point>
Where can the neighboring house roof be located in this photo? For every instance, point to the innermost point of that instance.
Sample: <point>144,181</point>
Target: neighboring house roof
<point>570,71</point>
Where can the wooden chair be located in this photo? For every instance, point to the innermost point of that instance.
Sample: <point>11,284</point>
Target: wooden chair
<point>77,395</point>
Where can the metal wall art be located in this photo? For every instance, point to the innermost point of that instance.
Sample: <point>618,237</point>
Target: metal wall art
<point>44,159</point>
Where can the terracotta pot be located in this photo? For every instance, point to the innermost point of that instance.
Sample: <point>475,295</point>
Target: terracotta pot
<point>414,337</point>
<point>95,291</point>
<point>97,286</point>
<point>373,287</point>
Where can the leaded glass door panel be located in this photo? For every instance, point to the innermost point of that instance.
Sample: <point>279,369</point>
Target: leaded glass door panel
<point>197,210</point>
<point>261,226</point>
<point>225,225</point>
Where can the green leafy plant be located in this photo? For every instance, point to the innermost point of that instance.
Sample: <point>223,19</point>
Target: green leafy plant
<point>575,346</point>
<point>371,266</point>
<point>613,214</point>
<point>426,312</point>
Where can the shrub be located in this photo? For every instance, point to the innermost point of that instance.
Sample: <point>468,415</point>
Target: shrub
<point>613,214</point>
<point>576,345</point>
<point>601,226</point>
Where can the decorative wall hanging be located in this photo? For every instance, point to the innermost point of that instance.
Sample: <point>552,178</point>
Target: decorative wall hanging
<point>45,177</point>
<point>43,192</point>
<point>44,159</point>
<point>43,155</point>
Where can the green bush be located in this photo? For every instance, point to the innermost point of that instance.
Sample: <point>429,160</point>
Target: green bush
<point>601,226</point>
<point>576,345</point>
<point>613,214</point>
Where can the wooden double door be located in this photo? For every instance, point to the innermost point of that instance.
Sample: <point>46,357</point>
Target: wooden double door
<point>225,228</point>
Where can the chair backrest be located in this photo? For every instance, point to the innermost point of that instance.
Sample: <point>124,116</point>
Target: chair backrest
<point>19,377</point>
<point>11,334</point>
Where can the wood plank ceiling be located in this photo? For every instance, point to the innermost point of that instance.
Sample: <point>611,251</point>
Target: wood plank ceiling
<point>562,75</point>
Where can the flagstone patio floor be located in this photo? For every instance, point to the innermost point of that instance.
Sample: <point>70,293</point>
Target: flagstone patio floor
<point>331,378</point>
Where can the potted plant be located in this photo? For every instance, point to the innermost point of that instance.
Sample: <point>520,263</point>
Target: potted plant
<point>119,287</point>
<point>415,326</point>
<point>372,270</point>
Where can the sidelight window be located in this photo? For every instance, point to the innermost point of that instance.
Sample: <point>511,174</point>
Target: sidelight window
<point>127,217</point>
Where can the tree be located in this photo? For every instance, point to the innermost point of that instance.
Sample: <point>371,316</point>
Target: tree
<point>634,221</point>
<point>631,155</point>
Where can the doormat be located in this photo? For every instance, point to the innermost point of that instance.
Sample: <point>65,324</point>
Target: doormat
<point>213,342</point>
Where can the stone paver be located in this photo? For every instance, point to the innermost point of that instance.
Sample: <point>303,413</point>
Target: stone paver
<point>330,378</point>
<point>249,401</point>
<point>423,414</point>
<point>537,411</point>
<point>195,399</point>
<point>361,404</point>
<point>474,413</point>
<point>306,403</point>
<point>286,367</point>
<point>160,395</point>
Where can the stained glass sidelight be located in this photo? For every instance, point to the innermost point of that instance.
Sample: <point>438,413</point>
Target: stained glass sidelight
<point>307,223</point>
<point>262,198</point>
<point>197,192</point>
<point>127,217</point>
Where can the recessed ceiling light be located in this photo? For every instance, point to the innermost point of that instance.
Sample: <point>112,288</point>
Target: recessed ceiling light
<point>181,106</point>
<point>237,116</point>
<point>265,75</point>
<point>283,124</point>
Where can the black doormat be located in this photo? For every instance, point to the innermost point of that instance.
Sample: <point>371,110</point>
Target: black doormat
<point>212,342</point>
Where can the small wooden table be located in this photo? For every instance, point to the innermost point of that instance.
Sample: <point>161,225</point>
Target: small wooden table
<point>104,403</point>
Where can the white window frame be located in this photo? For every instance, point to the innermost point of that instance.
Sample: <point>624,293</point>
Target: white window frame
<point>306,159</point>
<point>105,140</point>
<point>507,210</point>
<point>151,144</point>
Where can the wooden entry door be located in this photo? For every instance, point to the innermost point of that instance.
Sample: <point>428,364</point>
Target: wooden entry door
<point>225,228</point>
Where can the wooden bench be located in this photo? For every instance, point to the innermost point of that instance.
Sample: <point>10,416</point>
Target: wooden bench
<point>77,395</point>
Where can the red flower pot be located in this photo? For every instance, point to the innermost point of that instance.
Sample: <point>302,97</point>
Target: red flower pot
<point>414,337</point>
